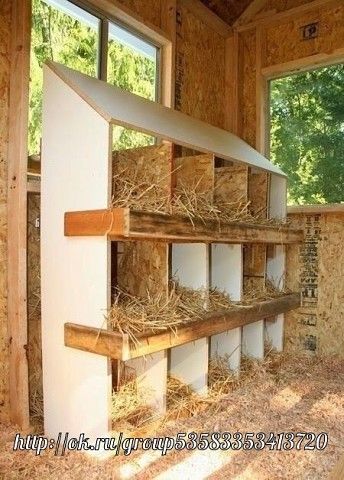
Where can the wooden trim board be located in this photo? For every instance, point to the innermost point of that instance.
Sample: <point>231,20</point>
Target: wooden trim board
<point>17,211</point>
<point>105,342</point>
<point>124,108</point>
<point>123,223</point>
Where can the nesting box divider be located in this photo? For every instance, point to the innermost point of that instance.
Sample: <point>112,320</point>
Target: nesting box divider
<point>276,259</point>
<point>255,261</point>
<point>142,266</point>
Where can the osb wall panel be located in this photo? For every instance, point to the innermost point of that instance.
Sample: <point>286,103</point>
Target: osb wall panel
<point>330,310</point>
<point>231,184</point>
<point>196,171</point>
<point>255,255</point>
<point>283,42</point>
<point>5,28</point>
<point>142,267</point>
<point>149,10</point>
<point>34,309</point>
<point>317,268</point>
<point>200,69</point>
<point>282,5</point>
<point>247,86</point>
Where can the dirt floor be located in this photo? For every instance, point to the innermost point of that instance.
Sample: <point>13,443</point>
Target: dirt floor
<point>295,394</point>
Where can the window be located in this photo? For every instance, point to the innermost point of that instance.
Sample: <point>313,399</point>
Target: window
<point>307,133</point>
<point>69,33</point>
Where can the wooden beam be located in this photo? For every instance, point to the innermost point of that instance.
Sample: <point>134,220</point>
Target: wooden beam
<point>123,223</point>
<point>303,64</point>
<point>95,340</point>
<point>232,83</point>
<point>286,14</point>
<point>316,209</point>
<point>104,342</point>
<point>168,52</point>
<point>17,167</point>
<point>249,13</point>
<point>208,17</point>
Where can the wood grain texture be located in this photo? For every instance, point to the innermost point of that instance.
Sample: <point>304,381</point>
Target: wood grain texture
<point>17,211</point>
<point>121,224</point>
<point>5,28</point>
<point>200,74</point>
<point>108,343</point>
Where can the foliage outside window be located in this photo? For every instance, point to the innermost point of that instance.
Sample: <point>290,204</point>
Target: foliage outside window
<point>74,42</point>
<point>307,133</point>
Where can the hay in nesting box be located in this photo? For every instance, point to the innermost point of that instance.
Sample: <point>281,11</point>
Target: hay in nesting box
<point>182,401</point>
<point>162,311</point>
<point>221,379</point>
<point>130,407</point>
<point>257,292</point>
<point>152,313</point>
<point>140,190</point>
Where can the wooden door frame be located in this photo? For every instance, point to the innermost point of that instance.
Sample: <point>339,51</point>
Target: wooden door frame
<point>17,173</point>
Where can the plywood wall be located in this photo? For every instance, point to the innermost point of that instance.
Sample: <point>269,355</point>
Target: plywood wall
<point>150,10</point>
<point>200,69</point>
<point>273,46</point>
<point>283,42</point>
<point>317,268</point>
<point>5,28</point>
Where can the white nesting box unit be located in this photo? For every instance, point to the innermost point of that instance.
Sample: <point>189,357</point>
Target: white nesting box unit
<point>78,114</point>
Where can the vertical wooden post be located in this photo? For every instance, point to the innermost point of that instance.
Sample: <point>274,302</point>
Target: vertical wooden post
<point>17,207</point>
<point>168,25</point>
<point>231,79</point>
<point>189,362</point>
<point>227,276</point>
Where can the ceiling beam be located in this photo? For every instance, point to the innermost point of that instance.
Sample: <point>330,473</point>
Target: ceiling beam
<point>248,14</point>
<point>208,17</point>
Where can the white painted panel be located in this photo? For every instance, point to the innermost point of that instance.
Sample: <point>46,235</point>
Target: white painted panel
<point>274,332</point>
<point>278,197</point>
<point>190,264</point>
<point>189,362</point>
<point>75,271</point>
<point>124,108</point>
<point>227,275</point>
<point>151,374</point>
<point>253,340</point>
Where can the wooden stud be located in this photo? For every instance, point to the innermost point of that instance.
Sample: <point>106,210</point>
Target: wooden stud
<point>208,17</point>
<point>189,362</point>
<point>17,206</point>
<point>249,13</point>
<point>232,82</point>
<point>168,52</point>
<point>227,276</point>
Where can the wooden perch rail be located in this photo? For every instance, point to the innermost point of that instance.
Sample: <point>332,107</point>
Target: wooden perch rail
<point>117,346</point>
<point>124,223</point>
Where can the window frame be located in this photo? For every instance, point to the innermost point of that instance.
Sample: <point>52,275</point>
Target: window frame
<point>104,20</point>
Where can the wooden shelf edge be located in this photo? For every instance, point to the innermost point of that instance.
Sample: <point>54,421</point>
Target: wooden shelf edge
<point>123,223</point>
<point>119,347</point>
